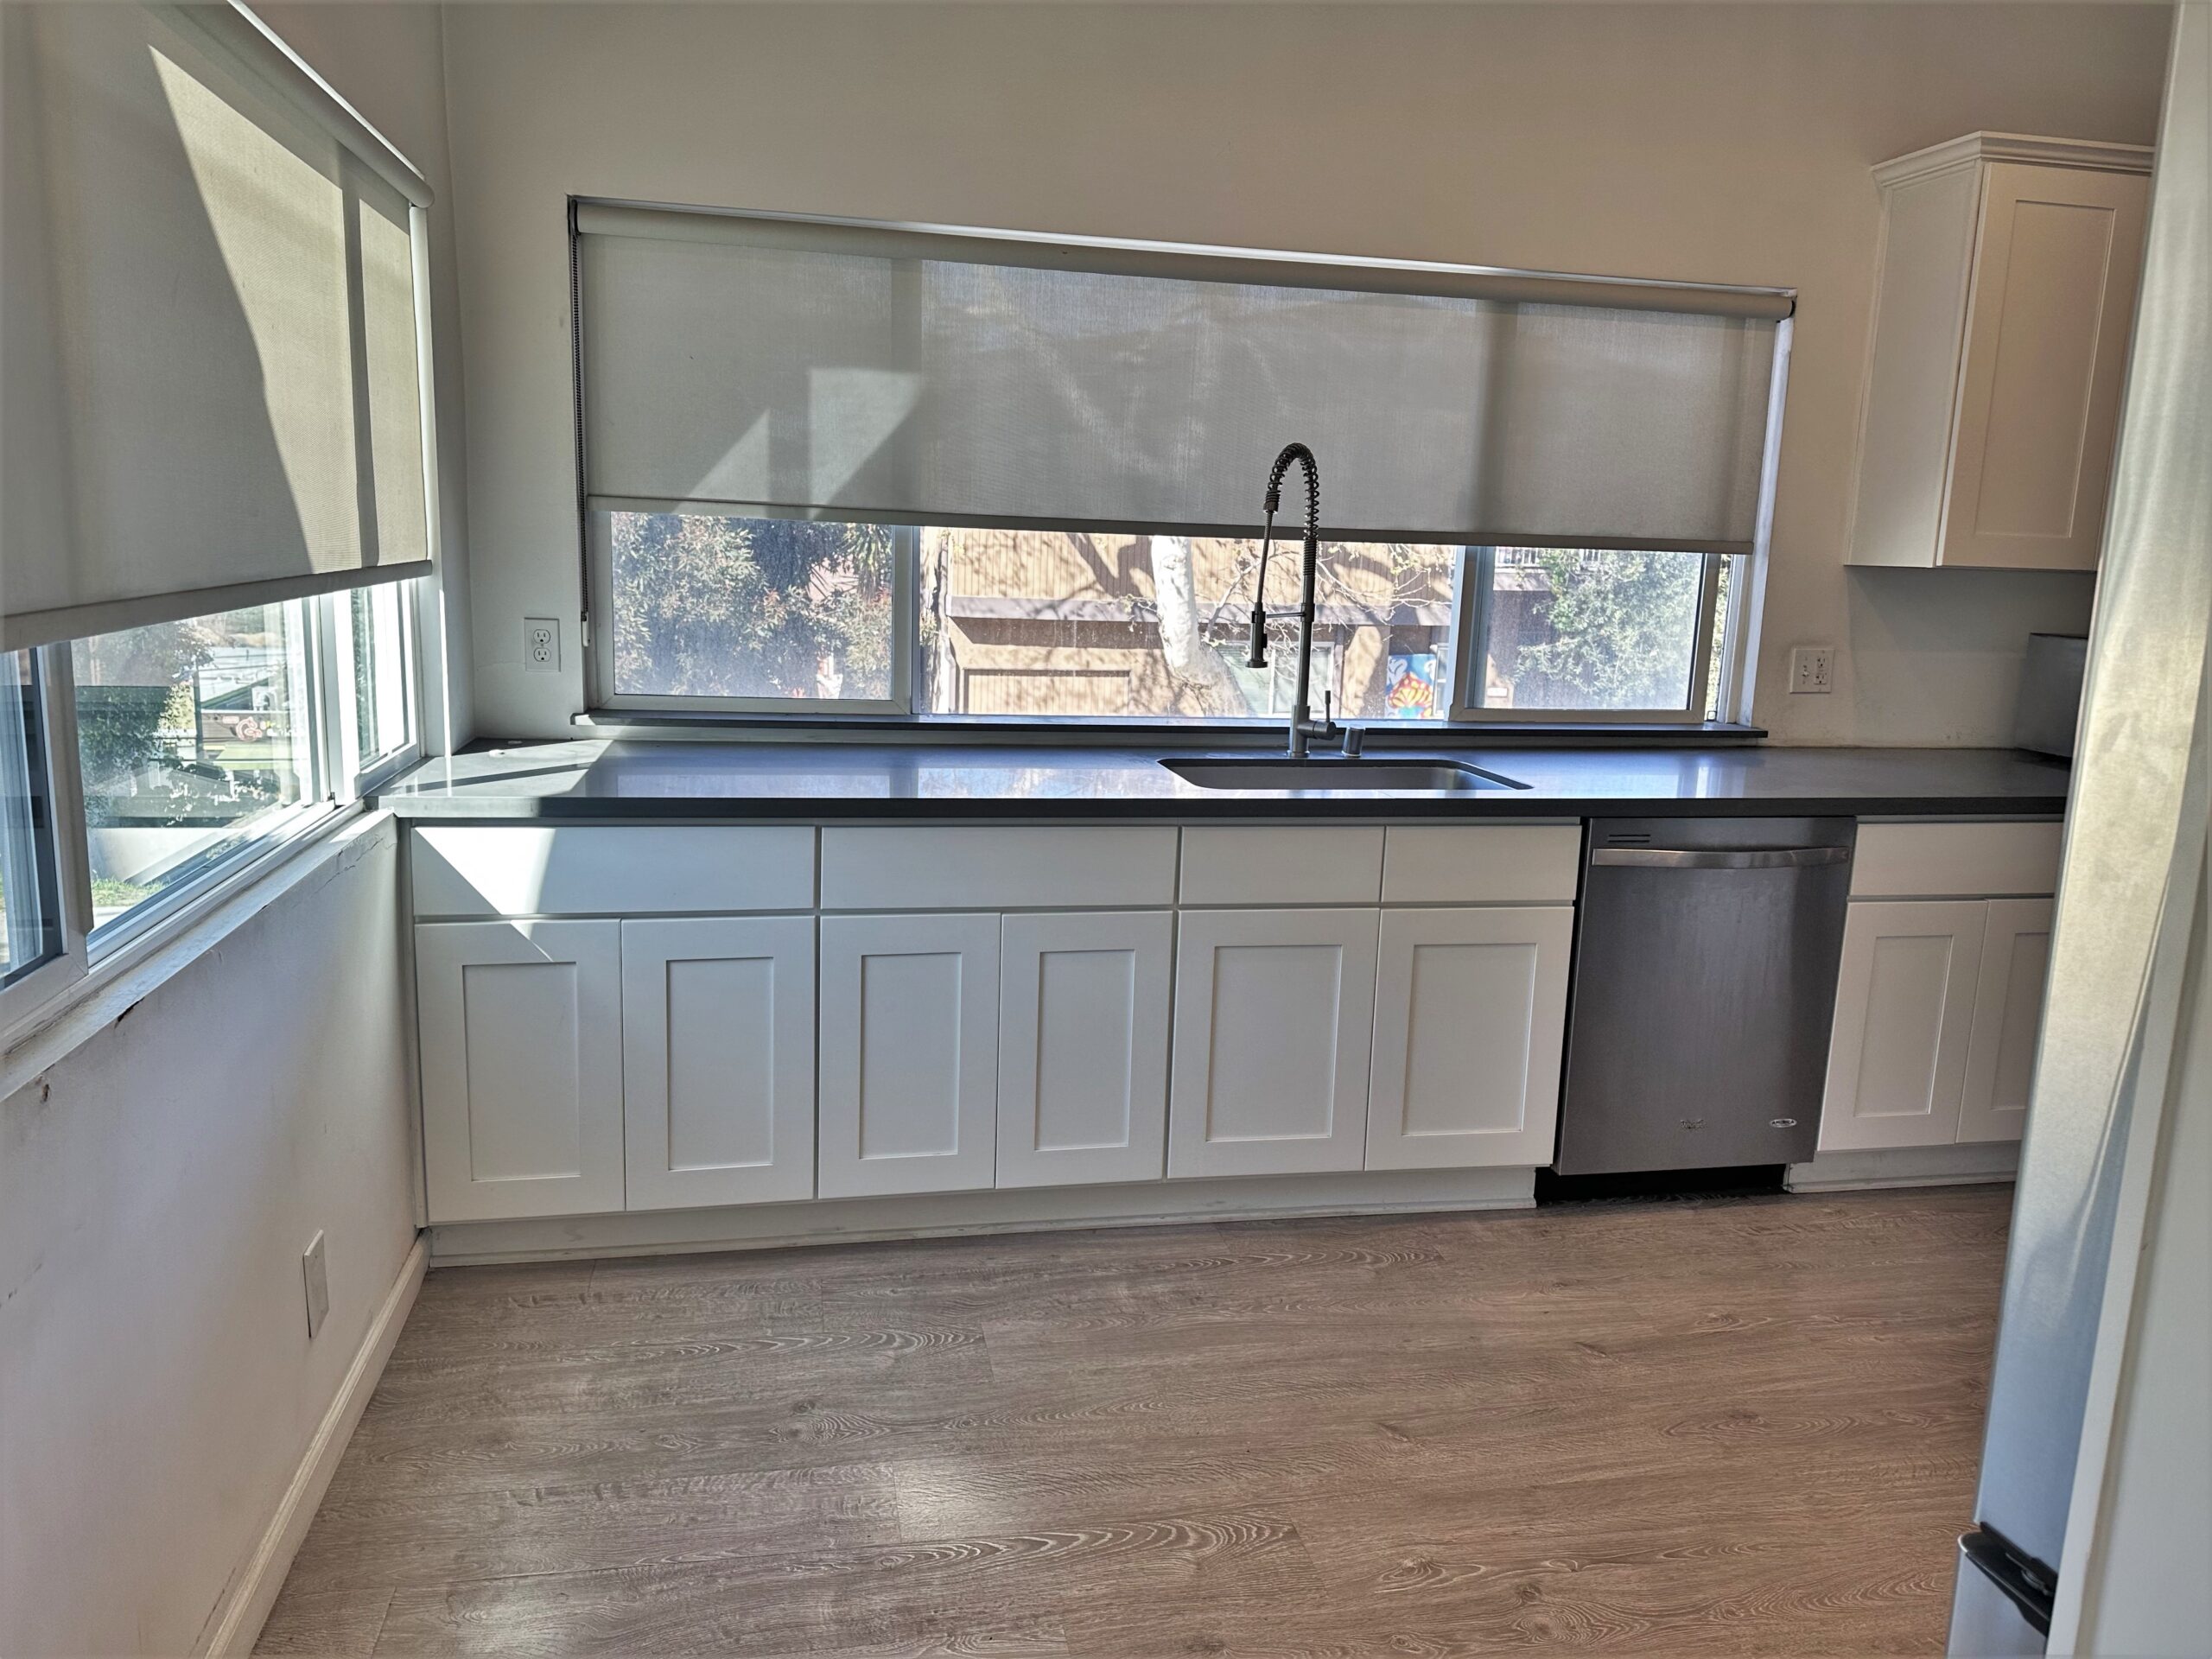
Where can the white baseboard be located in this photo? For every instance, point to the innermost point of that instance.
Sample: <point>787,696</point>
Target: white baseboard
<point>656,1232</point>
<point>1847,1172</point>
<point>236,1625</point>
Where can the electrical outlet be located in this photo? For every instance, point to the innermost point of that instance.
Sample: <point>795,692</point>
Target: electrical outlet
<point>541,646</point>
<point>1812,669</point>
<point>317,1271</point>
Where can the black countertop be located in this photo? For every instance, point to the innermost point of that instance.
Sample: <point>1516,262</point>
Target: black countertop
<point>601,779</point>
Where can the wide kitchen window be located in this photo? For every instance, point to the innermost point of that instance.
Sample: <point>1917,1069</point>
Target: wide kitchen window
<point>836,468</point>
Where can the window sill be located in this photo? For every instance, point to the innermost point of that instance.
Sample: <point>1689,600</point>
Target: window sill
<point>129,973</point>
<point>987,730</point>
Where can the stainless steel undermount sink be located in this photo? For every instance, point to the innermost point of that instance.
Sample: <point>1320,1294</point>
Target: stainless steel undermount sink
<point>1408,776</point>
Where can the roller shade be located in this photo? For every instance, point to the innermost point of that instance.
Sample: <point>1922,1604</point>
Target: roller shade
<point>936,377</point>
<point>214,392</point>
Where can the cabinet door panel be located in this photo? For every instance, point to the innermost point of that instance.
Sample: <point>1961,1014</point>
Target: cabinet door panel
<point>2007,1018</point>
<point>909,1057</point>
<point>1904,1018</point>
<point>718,1060</point>
<point>1083,1048</point>
<point>1274,1011</point>
<point>2054,295</point>
<point>522,1085</point>
<point>1470,1022</point>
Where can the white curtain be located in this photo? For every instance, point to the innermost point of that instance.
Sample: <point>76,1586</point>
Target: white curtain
<point>212,391</point>
<point>726,361</point>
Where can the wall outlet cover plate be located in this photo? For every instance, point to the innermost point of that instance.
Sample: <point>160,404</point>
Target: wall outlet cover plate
<point>541,646</point>
<point>1812,670</point>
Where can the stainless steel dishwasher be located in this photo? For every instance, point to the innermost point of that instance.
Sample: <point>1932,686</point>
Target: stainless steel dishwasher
<point>1705,971</point>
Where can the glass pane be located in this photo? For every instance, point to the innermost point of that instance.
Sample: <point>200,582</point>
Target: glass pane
<point>30,929</point>
<point>751,607</point>
<point>1055,625</point>
<point>380,672</point>
<point>1578,629</point>
<point>193,739</point>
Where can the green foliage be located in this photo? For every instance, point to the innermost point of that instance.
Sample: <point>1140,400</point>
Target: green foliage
<point>1622,627</point>
<point>775,608</point>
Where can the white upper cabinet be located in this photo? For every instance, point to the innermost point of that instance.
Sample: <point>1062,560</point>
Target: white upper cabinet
<point>1470,1023</point>
<point>2007,1017</point>
<point>522,1067</point>
<point>718,1060</point>
<point>1274,1011</point>
<point>2005,292</point>
<point>1083,1048</point>
<point>909,1056</point>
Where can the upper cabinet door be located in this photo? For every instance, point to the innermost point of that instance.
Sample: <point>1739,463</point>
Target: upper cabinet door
<point>1083,1048</point>
<point>2007,1018</point>
<point>1904,1018</point>
<point>909,1059</point>
<point>1272,1024</point>
<point>2046,350</point>
<point>1469,1020</point>
<point>522,1070</point>
<point>718,1060</point>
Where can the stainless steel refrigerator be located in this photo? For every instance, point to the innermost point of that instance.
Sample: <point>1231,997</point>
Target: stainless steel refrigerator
<point>2126,899</point>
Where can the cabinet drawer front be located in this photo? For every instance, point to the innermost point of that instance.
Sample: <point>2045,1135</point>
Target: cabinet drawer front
<point>1966,860</point>
<point>522,1078</point>
<point>1301,865</point>
<point>530,870</point>
<point>960,867</point>
<point>1481,864</point>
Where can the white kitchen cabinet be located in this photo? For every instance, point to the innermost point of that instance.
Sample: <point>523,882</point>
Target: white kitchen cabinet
<point>1904,1022</point>
<point>1273,1020</point>
<point>1470,1024</point>
<point>2007,1016</point>
<point>909,1054</point>
<point>718,1060</point>
<point>521,1026</point>
<point>2007,291</point>
<point>1083,1048</point>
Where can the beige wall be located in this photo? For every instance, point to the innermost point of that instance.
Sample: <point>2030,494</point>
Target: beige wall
<point>157,1387</point>
<point>1724,143</point>
<point>387,61</point>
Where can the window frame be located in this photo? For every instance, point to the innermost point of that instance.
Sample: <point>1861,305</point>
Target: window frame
<point>34,989</point>
<point>319,802</point>
<point>358,774</point>
<point>1472,618</point>
<point>905,629</point>
<point>1724,648</point>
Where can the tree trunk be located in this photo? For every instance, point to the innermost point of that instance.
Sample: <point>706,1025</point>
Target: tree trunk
<point>1197,667</point>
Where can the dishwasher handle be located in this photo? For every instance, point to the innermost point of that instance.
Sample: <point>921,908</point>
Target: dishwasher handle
<point>1721,858</point>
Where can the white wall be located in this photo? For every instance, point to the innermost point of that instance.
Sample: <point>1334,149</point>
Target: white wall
<point>157,1187</point>
<point>1722,144</point>
<point>387,60</point>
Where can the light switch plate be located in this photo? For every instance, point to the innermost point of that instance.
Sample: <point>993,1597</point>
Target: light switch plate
<point>541,646</point>
<point>1812,670</point>
<point>317,1271</point>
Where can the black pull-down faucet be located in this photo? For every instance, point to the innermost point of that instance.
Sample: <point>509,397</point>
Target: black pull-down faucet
<point>1303,726</point>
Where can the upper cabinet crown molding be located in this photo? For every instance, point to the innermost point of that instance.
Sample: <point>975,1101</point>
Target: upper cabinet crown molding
<point>2005,292</point>
<point>2015,147</point>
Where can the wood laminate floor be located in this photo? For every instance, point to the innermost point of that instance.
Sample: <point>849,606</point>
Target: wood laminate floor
<point>1739,1427</point>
